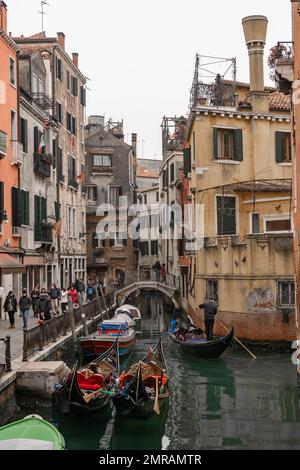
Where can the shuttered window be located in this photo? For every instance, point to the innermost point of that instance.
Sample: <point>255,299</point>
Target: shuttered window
<point>187,161</point>
<point>283,147</point>
<point>74,86</point>
<point>25,207</point>
<point>1,201</point>
<point>16,207</point>
<point>226,215</point>
<point>59,112</point>
<point>144,248</point>
<point>58,68</point>
<point>282,225</point>
<point>71,169</point>
<point>40,216</point>
<point>154,247</point>
<point>83,96</point>
<point>24,134</point>
<point>172,173</point>
<point>228,144</point>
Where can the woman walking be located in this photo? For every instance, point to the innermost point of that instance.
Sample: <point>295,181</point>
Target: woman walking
<point>10,307</point>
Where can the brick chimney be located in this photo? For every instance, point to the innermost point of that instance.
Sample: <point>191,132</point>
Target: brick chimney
<point>3,16</point>
<point>134,144</point>
<point>61,40</point>
<point>255,31</point>
<point>75,58</point>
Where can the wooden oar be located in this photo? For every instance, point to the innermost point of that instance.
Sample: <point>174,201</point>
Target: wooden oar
<point>156,403</point>
<point>87,398</point>
<point>237,340</point>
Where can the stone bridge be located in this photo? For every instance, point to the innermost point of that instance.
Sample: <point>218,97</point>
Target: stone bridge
<point>122,294</point>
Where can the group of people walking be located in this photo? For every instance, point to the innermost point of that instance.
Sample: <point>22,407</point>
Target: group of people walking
<point>160,272</point>
<point>44,304</point>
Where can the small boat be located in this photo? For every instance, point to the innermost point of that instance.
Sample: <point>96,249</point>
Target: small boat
<point>31,433</point>
<point>197,345</point>
<point>88,390</point>
<point>98,343</point>
<point>130,310</point>
<point>144,390</point>
<point>123,317</point>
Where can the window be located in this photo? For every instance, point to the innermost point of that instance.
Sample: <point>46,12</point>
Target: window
<point>71,169</point>
<point>59,112</point>
<point>145,198</point>
<point>278,225</point>
<point>69,121</point>
<point>226,215</point>
<point>58,68</point>
<point>35,84</point>
<point>255,224</point>
<point>157,196</point>
<point>187,162</point>
<point>83,96</point>
<point>144,248</point>
<point>25,207</point>
<point>12,71</point>
<point>74,86</point>
<point>212,289</point>
<point>172,173</point>
<point>74,126</point>
<point>68,80</point>
<point>24,134</point>
<point>228,144</point>
<point>40,216</point>
<point>286,293</point>
<point>283,147</point>
<point>74,222</point>
<point>69,221</point>
<point>154,247</point>
<point>102,160</point>
<point>16,207</point>
<point>92,193</point>
<point>13,125</point>
<point>114,195</point>
<point>165,178</point>
<point>3,143</point>
<point>1,202</point>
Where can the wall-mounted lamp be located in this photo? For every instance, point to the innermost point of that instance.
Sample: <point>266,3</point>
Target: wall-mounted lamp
<point>3,217</point>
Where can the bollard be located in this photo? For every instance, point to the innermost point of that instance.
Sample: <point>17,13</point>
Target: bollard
<point>25,349</point>
<point>8,354</point>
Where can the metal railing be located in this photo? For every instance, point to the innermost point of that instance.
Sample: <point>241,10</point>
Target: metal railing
<point>5,359</point>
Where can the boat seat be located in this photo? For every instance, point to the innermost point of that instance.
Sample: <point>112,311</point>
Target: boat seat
<point>93,383</point>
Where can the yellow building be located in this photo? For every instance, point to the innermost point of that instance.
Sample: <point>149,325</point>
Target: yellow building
<point>240,171</point>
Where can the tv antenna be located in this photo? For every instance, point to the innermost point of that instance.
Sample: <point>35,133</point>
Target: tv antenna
<point>42,11</point>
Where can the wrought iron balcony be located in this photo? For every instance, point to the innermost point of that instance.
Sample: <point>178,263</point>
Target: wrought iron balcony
<point>73,183</point>
<point>283,57</point>
<point>42,165</point>
<point>43,100</point>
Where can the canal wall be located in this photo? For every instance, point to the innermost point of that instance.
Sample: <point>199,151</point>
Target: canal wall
<point>8,400</point>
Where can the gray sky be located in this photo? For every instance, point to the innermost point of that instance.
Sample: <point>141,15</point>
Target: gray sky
<point>140,55</point>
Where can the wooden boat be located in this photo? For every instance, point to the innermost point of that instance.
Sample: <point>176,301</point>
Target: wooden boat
<point>100,342</point>
<point>144,390</point>
<point>88,390</point>
<point>198,346</point>
<point>31,433</point>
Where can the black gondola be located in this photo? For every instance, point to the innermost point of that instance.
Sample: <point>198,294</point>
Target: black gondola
<point>144,389</point>
<point>86,390</point>
<point>200,347</point>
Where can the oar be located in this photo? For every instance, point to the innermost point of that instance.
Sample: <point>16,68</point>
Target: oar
<point>156,403</point>
<point>87,398</point>
<point>237,340</point>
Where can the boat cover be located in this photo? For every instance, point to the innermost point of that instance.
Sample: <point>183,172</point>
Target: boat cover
<point>26,444</point>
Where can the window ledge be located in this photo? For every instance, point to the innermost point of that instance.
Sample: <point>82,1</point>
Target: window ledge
<point>289,164</point>
<point>228,162</point>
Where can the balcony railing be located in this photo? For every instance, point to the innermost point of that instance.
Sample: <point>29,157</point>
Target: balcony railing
<point>44,233</point>
<point>282,56</point>
<point>17,154</point>
<point>42,164</point>
<point>73,183</point>
<point>43,100</point>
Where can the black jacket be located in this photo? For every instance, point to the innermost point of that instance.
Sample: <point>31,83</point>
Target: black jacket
<point>13,304</point>
<point>24,303</point>
<point>44,305</point>
<point>210,310</point>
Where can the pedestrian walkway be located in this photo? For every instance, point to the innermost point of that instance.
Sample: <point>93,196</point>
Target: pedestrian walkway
<point>16,334</point>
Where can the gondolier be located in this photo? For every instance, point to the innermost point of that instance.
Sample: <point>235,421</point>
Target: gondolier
<point>210,312</point>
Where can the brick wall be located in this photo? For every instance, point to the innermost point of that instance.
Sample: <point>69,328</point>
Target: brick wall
<point>8,404</point>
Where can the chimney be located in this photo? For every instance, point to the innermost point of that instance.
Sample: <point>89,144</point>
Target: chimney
<point>75,58</point>
<point>255,31</point>
<point>61,40</point>
<point>134,144</point>
<point>3,16</point>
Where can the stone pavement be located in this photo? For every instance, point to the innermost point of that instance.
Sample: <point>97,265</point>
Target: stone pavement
<point>16,334</point>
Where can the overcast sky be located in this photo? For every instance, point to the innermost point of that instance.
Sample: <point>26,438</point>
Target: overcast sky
<point>140,55</point>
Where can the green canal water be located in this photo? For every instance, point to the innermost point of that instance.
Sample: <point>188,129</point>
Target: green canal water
<point>230,403</point>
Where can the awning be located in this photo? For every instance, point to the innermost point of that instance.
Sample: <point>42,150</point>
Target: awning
<point>9,265</point>
<point>34,261</point>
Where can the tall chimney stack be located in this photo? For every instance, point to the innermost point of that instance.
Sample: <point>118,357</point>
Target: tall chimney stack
<point>255,31</point>
<point>3,16</point>
<point>134,144</point>
<point>61,38</point>
<point>75,58</point>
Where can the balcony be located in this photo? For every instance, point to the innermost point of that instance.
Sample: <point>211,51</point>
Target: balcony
<point>44,234</point>
<point>17,154</point>
<point>72,183</point>
<point>42,100</point>
<point>282,56</point>
<point>42,165</point>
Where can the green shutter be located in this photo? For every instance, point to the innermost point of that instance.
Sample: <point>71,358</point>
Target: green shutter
<point>215,143</point>
<point>16,207</point>
<point>238,145</point>
<point>44,209</point>
<point>57,210</point>
<point>1,201</point>
<point>279,147</point>
<point>37,219</point>
<point>25,208</point>
<point>187,162</point>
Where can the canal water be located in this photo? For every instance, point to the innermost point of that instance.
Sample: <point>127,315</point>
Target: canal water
<point>229,403</point>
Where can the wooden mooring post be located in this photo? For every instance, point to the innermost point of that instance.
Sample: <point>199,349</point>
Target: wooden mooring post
<point>72,321</point>
<point>83,317</point>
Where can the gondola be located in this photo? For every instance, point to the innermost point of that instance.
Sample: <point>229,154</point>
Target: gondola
<point>89,390</point>
<point>198,346</point>
<point>144,390</point>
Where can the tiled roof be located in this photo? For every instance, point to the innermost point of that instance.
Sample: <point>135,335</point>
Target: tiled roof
<point>247,85</point>
<point>145,173</point>
<point>35,37</point>
<point>280,101</point>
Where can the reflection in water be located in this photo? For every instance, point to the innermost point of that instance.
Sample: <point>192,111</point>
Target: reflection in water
<point>229,403</point>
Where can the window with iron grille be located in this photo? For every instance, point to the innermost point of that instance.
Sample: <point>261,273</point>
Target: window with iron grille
<point>286,293</point>
<point>226,215</point>
<point>212,288</point>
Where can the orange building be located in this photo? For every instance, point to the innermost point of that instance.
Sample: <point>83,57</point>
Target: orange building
<point>10,254</point>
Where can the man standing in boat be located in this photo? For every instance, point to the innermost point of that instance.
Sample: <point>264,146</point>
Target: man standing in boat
<point>210,312</point>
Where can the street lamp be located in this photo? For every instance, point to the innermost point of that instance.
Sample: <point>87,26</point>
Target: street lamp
<point>3,217</point>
